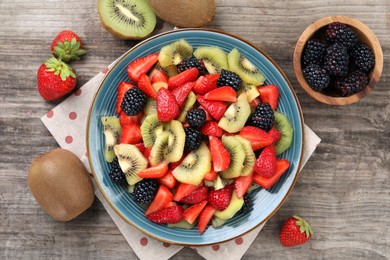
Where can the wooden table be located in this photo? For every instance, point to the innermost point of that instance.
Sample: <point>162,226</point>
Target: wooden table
<point>343,191</point>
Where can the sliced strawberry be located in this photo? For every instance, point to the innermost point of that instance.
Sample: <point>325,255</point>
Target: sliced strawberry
<point>266,162</point>
<point>196,196</point>
<point>212,175</point>
<point>255,102</point>
<point>213,78</point>
<point>166,104</point>
<point>275,134</point>
<point>205,217</point>
<point>203,85</point>
<point>266,183</point>
<point>163,196</point>
<point>269,94</point>
<point>123,87</point>
<point>170,204</point>
<point>256,136</point>
<point>128,120</point>
<point>141,65</point>
<point>215,108</point>
<point>211,128</point>
<point>182,190</point>
<point>191,213</point>
<point>242,184</point>
<point>222,94</point>
<point>145,85</point>
<point>131,134</point>
<point>147,151</point>
<point>219,154</point>
<point>158,76</point>
<point>182,78</point>
<point>168,215</point>
<point>221,198</point>
<point>141,147</point>
<point>182,92</point>
<point>168,180</point>
<point>154,172</point>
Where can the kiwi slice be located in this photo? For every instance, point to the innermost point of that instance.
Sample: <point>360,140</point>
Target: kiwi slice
<point>237,157</point>
<point>151,128</point>
<point>234,206</point>
<point>214,58</point>
<point>250,90</point>
<point>174,53</point>
<point>159,149</point>
<point>250,157</point>
<point>182,224</point>
<point>127,19</point>
<point>157,85</point>
<point>194,166</point>
<point>151,107</point>
<point>217,222</point>
<point>131,161</point>
<point>283,124</point>
<point>236,115</point>
<point>170,71</point>
<point>176,141</point>
<point>112,131</point>
<point>244,68</point>
<point>188,104</point>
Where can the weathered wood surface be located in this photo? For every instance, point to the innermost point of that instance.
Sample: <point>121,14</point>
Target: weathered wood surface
<point>344,190</point>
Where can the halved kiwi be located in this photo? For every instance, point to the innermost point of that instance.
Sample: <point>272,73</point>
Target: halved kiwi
<point>237,157</point>
<point>151,127</point>
<point>159,149</point>
<point>214,58</point>
<point>244,68</point>
<point>250,157</point>
<point>188,104</point>
<point>176,141</point>
<point>112,131</point>
<point>127,19</point>
<point>236,115</point>
<point>174,53</point>
<point>283,124</point>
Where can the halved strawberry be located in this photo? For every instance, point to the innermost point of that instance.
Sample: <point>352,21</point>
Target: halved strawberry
<point>266,162</point>
<point>269,94</point>
<point>205,217</point>
<point>123,87</point>
<point>256,136</point>
<point>182,78</point>
<point>196,196</point>
<point>275,134</point>
<point>212,175</point>
<point>166,105</point>
<point>221,198</point>
<point>131,134</point>
<point>203,85</point>
<point>242,184</point>
<point>170,204</point>
<point>191,213</point>
<point>182,92</point>
<point>141,65</point>
<point>211,128</point>
<point>168,180</point>
<point>215,108</point>
<point>266,183</point>
<point>163,196</point>
<point>182,190</point>
<point>222,94</point>
<point>145,85</point>
<point>154,172</point>
<point>219,154</point>
<point>158,76</point>
<point>128,120</point>
<point>168,215</point>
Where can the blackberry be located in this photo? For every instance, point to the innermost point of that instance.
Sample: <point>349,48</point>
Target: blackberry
<point>191,63</point>
<point>313,53</point>
<point>193,138</point>
<point>134,101</point>
<point>145,190</point>
<point>196,117</point>
<point>247,204</point>
<point>363,57</point>
<point>316,77</point>
<point>263,117</point>
<point>116,173</point>
<point>336,60</point>
<point>341,33</point>
<point>352,84</point>
<point>228,78</point>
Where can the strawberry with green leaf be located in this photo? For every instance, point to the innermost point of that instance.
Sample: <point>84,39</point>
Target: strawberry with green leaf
<point>295,231</point>
<point>67,46</point>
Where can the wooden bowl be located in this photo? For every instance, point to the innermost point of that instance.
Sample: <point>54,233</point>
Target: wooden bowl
<point>365,35</point>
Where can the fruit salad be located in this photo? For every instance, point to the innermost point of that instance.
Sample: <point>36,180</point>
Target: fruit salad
<point>195,131</point>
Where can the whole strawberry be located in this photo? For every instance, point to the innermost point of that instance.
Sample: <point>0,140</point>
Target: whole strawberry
<point>55,79</point>
<point>67,46</point>
<point>295,231</point>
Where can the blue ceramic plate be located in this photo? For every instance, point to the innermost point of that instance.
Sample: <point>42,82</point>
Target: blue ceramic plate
<point>265,202</point>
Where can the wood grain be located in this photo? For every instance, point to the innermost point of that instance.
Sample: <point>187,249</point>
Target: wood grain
<point>343,191</point>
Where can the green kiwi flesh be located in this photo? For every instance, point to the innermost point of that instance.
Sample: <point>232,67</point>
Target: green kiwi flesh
<point>188,104</point>
<point>236,115</point>
<point>182,224</point>
<point>159,149</point>
<point>283,124</point>
<point>250,157</point>
<point>217,222</point>
<point>174,53</point>
<point>214,58</point>
<point>237,157</point>
<point>176,141</point>
<point>151,127</point>
<point>234,206</point>
<point>250,90</point>
<point>112,131</point>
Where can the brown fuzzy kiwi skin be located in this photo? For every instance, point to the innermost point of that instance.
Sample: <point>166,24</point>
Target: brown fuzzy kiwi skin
<point>184,13</point>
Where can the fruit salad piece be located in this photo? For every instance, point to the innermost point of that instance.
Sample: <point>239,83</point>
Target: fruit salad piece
<point>112,131</point>
<point>236,115</point>
<point>266,183</point>
<point>131,161</point>
<point>214,58</point>
<point>233,207</point>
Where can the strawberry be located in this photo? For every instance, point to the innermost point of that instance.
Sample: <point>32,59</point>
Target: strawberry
<point>182,92</point>
<point>191,213</point>
<point>145,85</point>
<point>211,175</point>
<point>220,199</point>
<point>275,134</point>
<point>147,151</point>
<point>166,104</point>
<point>168,215</point>
<point>242,184</point>
<point>222,94</point>
<point>266,183</point>
<point>295,231</point>
<point>128,120</point>
<point>255,102</point>
<point>67,46</point>
<point>269,94</point>
<point>182,78</point>
<point>163,196</point>
<point>123,87</point>
<point>208,116</point>
<point>204,84</point>
<point>219,154</point>
<point>158,76</point>
<point>196,196</point>
<point>205,217</point>
<point>266,162</point>
<point>211,128</point>
<point>215,108</point>
<point>182,190</point>
<point>141,147</point>
<point>141,65</point>
<point>256,136</point>
<point>155,172</point>
<point>131,134</point>
<point>168,180</point>
<point>55,79</point>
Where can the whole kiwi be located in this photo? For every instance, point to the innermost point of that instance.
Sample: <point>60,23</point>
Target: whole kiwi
<point>61,184</point>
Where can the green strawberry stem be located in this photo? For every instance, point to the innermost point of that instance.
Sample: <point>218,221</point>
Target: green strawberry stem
<point>69,50</point>
<point>304,226</point>
<point>59,68</point>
